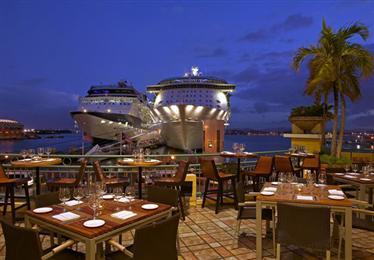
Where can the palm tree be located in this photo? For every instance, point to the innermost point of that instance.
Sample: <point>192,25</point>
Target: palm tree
<point>337,65</point>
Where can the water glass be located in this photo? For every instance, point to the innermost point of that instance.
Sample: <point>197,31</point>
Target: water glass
<point>93,204</point>
<point>64,196</point>
<point>130,194</point>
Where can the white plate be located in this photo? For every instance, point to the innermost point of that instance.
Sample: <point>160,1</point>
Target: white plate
<point>353,173</point>
<point>127,160</point>
<point>108,197</point>
<point>365,179</point>
<point>336,197</point>
<point>94,223</point>
<point>150,206</point>
<point>42,210</point>
<point>267,193</point>
<point>275,183</point>
<point>339,173</point>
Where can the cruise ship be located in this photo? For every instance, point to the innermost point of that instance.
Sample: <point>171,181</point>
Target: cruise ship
<point>113,112</point>
<point>190,106</point>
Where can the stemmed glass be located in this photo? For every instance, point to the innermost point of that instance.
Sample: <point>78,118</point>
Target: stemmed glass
<point>31,153</point>
<point>117,191</point>
<point>40,151</point>
<point>355,168</point>
<point>130,194</point>
<point>24,154</point>
<point>281,177</point>
<point>289,177</point>
<point>322,178</point>
<point>347,167</point>
<point>48,151</point>
<point>242,148</point>
<point>64,196</point>
<point>78,193</point>
<point>235,147</point>
<point>147,152</point>
<point>93,203</point>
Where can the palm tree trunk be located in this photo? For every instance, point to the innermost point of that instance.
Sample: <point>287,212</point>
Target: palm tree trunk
<point>335,121</point>
<point>323,130</point>
<point>342,127</point>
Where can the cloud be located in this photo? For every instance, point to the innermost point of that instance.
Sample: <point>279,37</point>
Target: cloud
<point>210,53</point>
<point>291,23</point>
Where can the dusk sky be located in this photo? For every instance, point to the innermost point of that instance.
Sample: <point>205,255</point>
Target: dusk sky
<point>51,52</point>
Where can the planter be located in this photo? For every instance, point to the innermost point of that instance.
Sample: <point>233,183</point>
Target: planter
<point>306,123</point>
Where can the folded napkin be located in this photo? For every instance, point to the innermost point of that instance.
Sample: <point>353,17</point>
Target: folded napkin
<point>336,192</point>
<point>66,216</point>
<point>124,214</point>
<point>272,189</point>
<point>123,199</point>
<point>71,203</point>
<point>302,197</point>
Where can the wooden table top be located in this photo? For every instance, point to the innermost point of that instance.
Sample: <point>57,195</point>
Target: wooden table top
<point>300,155</point>
<point>238,155</point>
<point>109,207</point>
<point>353,177</point>
<point>143,163</point>
<point>287,192</point>
<point>30,163</point>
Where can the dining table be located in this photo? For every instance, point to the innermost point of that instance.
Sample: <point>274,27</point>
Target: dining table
<point>306,195</point>
<point>36,163</point>
<point>136,214</point>
<point>238,156</point>
<point>140,164</point>
<point>362,182</point>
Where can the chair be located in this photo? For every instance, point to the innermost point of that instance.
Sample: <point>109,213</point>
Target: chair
<point>10,184</point>
<point>109,182</point>
<point>210,172</point>
<point>55,184</point>
<point>163,195</point>
<point>263,169</point>
<point>313,164</point>
<point>176,182</point>
<point>247,210</point>
<point>283,164</point>
<point>303,226</point>
<point>156,241</point>
<point>23,243</point>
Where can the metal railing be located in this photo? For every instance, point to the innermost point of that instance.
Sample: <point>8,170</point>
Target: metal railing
<point>70,165</point>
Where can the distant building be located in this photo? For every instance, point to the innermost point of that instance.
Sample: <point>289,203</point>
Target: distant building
<point>10,129</point>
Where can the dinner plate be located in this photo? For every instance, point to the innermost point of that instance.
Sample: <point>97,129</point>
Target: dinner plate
<point>365,179</point>
<point>267,193</point>
<point>353,173</point>
<point>150,206</point>
<point>94,223</point>
<point>42,210</point>
<point>339,173</point>
<point>336,197</point>
<point>108,197</point>
<point>275,183</point>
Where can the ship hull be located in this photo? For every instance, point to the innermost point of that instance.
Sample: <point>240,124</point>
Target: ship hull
<point>110,127</point>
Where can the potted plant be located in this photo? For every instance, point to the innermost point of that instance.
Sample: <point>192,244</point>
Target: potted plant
<point>307,117</point>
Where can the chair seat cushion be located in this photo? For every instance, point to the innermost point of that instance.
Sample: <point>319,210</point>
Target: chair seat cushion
<point>224,175</point>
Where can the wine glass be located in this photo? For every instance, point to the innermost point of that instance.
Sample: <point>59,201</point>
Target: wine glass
<point>130,194</point>
<point>322,178</point>
<point>147,152</point>
<point>31,153</point>
<point>347,167</point>
<point>40,151</point>
<point>24,154</point>
<point>48,151</point>
<point>235,147</point>
<point>281,177</point>
<point>289,177</point>
<point>117,191</point>
<point>93,204</point>
<point>78,193</point>
<point>355,168</point>
<point>64,196</point>
<point>242,147</point>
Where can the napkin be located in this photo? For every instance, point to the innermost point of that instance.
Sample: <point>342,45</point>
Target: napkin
<point>365,179</point>
<point>273,189</point>
<point>123,199</point>
<point>353,173</point>
<point>336,192</point>
<point>66,216</point>
<point>302,197</point>
<point>71,203</point>
<point>124,214</point>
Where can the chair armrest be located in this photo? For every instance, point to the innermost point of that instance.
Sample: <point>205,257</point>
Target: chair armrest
<point>59,248</point>
<point>363,211</point>
<point>121,248</point>
<point>247,203</point>
<point>360,203</point>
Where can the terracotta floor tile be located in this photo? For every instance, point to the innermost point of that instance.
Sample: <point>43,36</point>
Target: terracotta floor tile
<point>207,254</point>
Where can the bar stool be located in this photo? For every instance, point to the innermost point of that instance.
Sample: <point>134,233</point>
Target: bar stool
<point>109,182</point>
<point>176,182</point>
<point>210,172</point>
<point>10,184</point>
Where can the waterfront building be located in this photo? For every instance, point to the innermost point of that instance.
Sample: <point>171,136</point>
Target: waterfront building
<point>10,129</point>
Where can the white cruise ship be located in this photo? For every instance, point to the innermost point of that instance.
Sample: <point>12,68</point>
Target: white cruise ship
<point>113,112</point>
<point>187,105</point>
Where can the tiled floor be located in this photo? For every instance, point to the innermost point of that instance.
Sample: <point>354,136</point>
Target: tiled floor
<point>205,235</point>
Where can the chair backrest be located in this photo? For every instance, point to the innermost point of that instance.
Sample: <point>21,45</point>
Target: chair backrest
<point>181,173</point>
<point>304,226</point>
<point>163,195</point>
<point>46,199</point>
<point>82,169</point>
<point>311,163</point>
<point>157,241</point>
<point>21,243</point>
<point>2,172</point>
<point>208,168</point>
<point>265,165</point>
<point>100,176</point>
<point>283,164</point>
